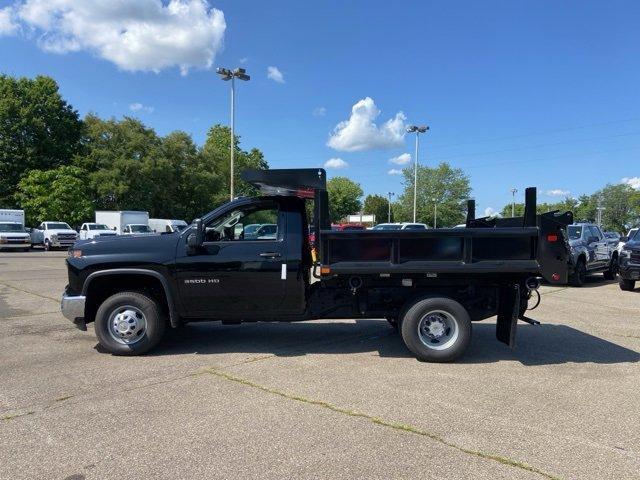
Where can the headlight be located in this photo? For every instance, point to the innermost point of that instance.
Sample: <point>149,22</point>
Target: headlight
<point>3,239</point>
<point>75,253</point>
<point>54,236</point>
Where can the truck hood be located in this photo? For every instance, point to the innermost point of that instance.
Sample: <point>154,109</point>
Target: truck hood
<point>127,244</point>
<point>63,230</point>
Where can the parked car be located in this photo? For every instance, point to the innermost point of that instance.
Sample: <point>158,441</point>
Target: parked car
<point>53,235</point>
<point>345,227</point>
<point>13,236</point>
<point>251,231</point>
<point>92,230</point>
<point>590,253</point>
<point>268,231</point>
<point>161,225</point>
<point>630,262</point>
<point>119,220</point>
<point>400,226</point>
<point>137,229</point>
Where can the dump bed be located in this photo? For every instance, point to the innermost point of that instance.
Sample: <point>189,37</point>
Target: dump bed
<point>468,252</point>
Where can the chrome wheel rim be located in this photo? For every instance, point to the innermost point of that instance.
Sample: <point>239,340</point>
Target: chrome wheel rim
<point>438,330</point>
<point>127,325</point>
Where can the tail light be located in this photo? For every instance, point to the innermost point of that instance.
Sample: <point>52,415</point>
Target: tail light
<point>552,237</point>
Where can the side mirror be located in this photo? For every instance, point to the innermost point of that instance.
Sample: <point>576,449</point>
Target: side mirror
<point>592,239</point>
<point>196,239</point>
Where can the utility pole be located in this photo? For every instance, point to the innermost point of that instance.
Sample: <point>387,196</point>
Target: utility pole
<point>599,209</point>
<point>435,212</point>
<point>513,202</point>
<point>417,130</point>
<point>226,75</point>
<point>389,195</point>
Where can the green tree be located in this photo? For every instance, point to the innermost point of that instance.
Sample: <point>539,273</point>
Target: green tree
<point>216,153</point>
<point>38,130</point>
<point>57,194</point>
<point>379,206</point>
<point>344,198</point>
<point>442,185</point>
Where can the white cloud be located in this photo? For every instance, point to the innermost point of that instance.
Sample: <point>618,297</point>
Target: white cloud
<point>8,26</point>
<point>557,192</point>
<point>490,212</point>
<point>244,60</point>
<point>402,159</point>
<point>395,171</point>
<point>273,73</point>
<point>360,132</point>
<point>336,163</point>
<point>145,35</point>
<point>137,107</point>
<point>634,182</point>
<point>319,112</point>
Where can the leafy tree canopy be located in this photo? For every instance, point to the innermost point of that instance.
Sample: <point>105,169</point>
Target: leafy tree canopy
<point>344,198</point>
<point>379,206</point>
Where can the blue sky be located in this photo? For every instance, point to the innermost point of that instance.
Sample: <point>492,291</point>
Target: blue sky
<point>516,93</point>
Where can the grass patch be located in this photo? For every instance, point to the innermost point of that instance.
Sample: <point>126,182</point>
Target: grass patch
<point>11,416</point>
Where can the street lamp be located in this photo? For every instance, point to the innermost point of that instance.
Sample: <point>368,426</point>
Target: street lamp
<point>513,202</point>
<point>389,195</point>
<point>435,212</point>
<point>226,75</point>
<point>417,130</point>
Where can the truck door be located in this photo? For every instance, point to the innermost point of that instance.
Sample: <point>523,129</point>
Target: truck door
<point>231,276</point>
<point>601,246</point>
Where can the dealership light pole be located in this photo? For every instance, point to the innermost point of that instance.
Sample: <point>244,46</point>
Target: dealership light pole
<point>389,195</point>
<point>435,212</point>
<point>417,130</point>
<point>513,202</point>
<point>226,75</point>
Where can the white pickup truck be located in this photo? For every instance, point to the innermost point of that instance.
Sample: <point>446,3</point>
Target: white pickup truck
<point>93,230</point>
<point>53,235</point>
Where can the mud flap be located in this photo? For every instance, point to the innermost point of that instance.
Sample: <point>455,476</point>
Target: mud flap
<point>508,312</point>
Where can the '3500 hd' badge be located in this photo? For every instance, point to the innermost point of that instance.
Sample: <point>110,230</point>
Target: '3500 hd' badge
<point>200,281</point>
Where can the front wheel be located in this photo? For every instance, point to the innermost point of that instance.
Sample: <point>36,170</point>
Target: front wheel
<point>47,245</point>
<point>436,329</point>
<point>627,285</point>
<point>129,323</point>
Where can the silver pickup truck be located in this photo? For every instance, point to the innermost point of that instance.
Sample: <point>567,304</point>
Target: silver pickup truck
<point>591,252</point>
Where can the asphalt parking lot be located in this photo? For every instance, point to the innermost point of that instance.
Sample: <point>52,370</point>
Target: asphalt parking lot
<point>325,399</point>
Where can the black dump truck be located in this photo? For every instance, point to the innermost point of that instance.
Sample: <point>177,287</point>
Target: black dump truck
<point>429,284</point>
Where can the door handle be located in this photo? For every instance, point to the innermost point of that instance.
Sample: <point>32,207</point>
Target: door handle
<point>270,254</point>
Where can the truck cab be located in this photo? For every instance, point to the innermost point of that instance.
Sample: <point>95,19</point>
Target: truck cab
<point>93,230</point>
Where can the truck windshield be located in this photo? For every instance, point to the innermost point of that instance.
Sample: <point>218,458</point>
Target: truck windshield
<point>139,229</point>
<point>98,226</point>
<point>575,232</point>
<point>11,227</point>
<point>58,226</point>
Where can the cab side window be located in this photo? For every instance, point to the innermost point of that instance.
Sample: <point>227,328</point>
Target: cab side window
<point>250,223</point>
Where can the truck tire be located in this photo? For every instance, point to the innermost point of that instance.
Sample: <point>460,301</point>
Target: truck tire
<point>579,275</point>
<point>47,245</point>
<point>612,273</point>
<point>129,323</point>
<point>436,329</point>
<point>627,285</point>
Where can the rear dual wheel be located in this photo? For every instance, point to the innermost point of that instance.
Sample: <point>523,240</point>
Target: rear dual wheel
<point>436,329</point>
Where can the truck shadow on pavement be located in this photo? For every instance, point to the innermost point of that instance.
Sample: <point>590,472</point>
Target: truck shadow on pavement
<point>536,345</point>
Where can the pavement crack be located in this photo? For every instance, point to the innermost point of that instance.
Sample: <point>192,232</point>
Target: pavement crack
<point>403,427</point>
<point>28,292</point>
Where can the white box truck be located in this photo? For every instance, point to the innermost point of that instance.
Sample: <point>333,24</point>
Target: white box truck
<point>12,233</point>
<point>161,225</point>
<point>125,222</point>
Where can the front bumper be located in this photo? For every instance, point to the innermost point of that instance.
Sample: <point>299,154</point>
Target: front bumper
<point>62,243</point>
<point>16,246</point>
<point>629,269</point>
<point>72,307</point>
